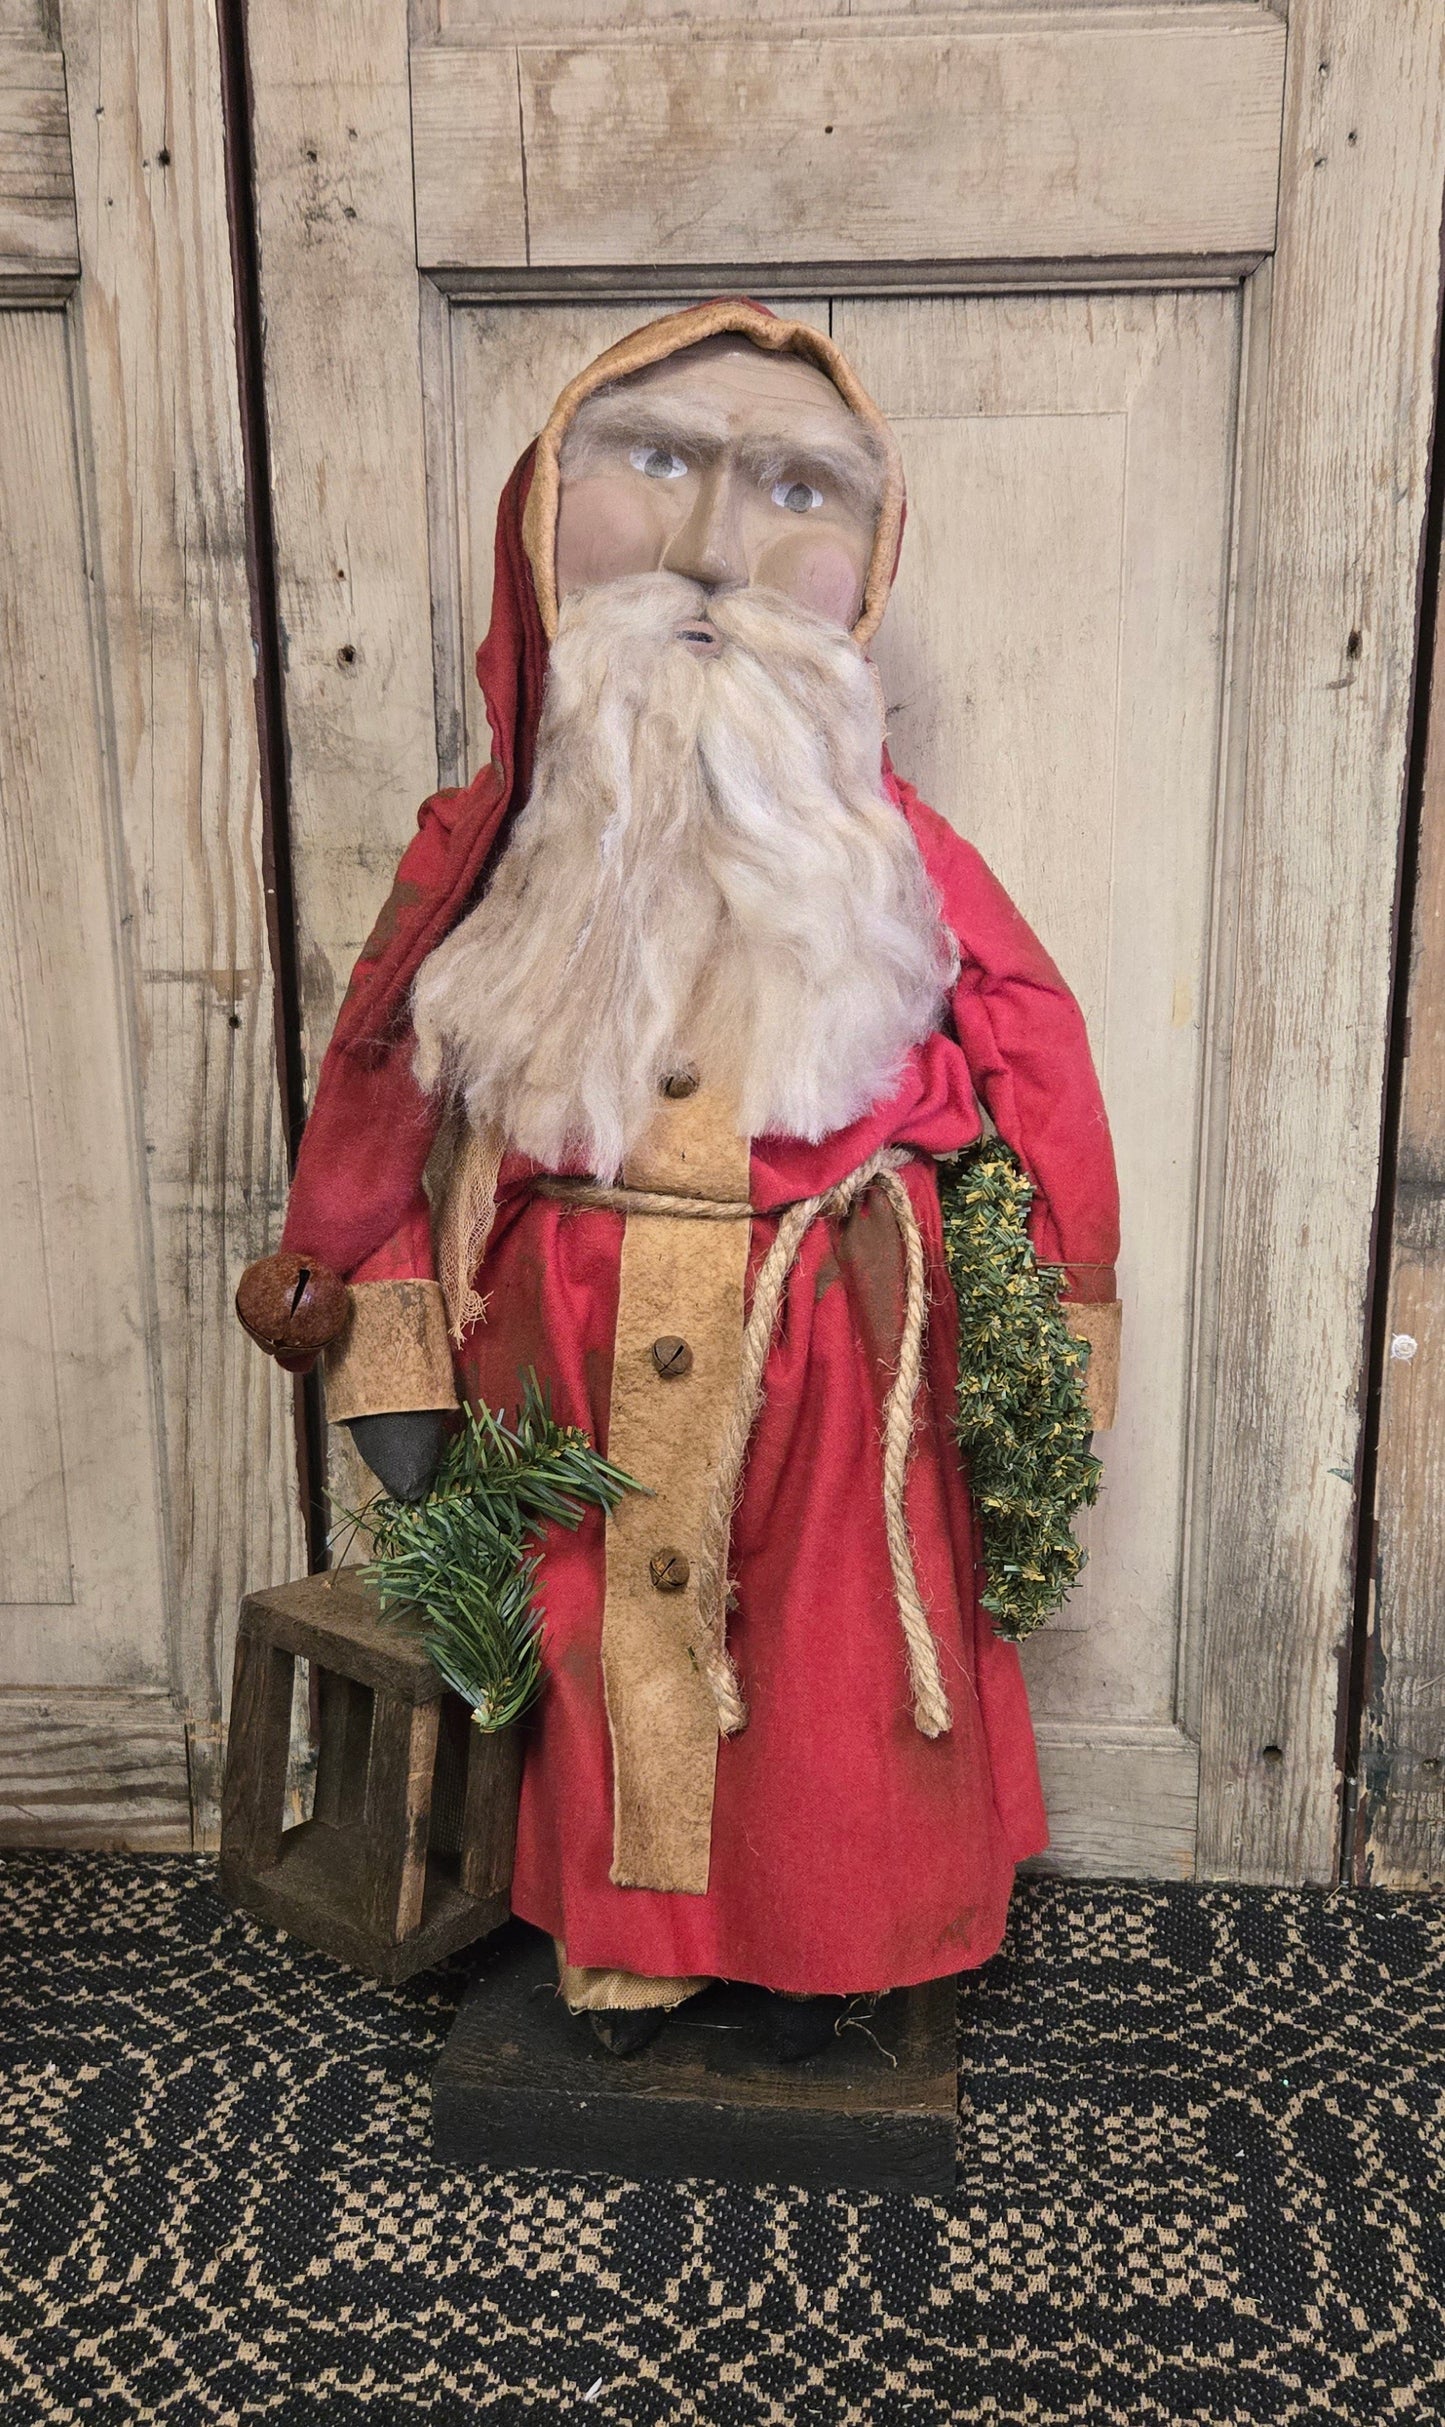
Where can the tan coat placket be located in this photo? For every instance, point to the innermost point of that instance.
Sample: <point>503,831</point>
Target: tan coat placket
<point>675,1377</point>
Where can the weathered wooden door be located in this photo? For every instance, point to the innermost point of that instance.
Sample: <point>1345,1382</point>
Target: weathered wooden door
<point>147,1467</point>
<point>1151,298</point>
<point>1398,1836</point>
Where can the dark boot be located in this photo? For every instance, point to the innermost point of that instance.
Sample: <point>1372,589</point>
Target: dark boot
<point>623,2030</point>
<point>799,2027</point>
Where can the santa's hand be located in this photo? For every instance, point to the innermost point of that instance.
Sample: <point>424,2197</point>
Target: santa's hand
<point>404,1451</point>
<point>293,1307</point>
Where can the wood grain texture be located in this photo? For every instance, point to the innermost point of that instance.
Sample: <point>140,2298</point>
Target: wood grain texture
<point>82,1513</point>
<point>521,2082</point>
<point>1053,660</point>
<point>338,255</point>
<point>1346,425</point>
<point>1122,1801</point>
<point>99,1770</point>
<point>343,1742</point>
<point>398,1815</point>
<point>654,289</point>
<point>467,133</point>
<point>1400,1833</point>
<point>35,1548</point>
<point>30,24</point>
<point>485,21</point>
<point>337,246</point>
<point>489,1822</point>
<point>257,1756</point>
<point>161,441</point>
<point>1077,132</point>
<point>336,1621</point>
<point>37,190</point>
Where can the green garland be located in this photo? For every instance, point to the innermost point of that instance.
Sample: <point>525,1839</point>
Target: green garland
<point>1021,1419</point>
<point>459,1564</point>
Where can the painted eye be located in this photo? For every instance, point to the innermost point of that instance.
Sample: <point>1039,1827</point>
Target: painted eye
<point>797,496</point>
<point>659,463</point>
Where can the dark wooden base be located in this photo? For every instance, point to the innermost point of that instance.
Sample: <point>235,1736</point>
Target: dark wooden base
<point>522,2082</point>
<point>318,1888</point>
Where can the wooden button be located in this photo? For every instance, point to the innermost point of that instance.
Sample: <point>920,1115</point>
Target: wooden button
<point>669,1570</point>
<point>680,1083</point>
<point>672,1357</point>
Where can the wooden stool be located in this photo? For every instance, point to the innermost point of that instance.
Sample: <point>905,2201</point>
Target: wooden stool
<point>409,1853</point>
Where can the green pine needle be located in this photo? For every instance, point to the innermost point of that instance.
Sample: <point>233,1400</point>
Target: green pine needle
<point>1021,1418</point>
<point>460,1564</point>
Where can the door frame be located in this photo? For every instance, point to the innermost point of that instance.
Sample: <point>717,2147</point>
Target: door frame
<point>113,215</point>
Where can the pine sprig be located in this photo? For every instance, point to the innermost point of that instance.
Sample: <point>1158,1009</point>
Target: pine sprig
<point>1021,1418</point>
<point>461,1565</point>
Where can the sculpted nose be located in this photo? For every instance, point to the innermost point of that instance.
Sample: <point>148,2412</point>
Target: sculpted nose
<point>709,547</point>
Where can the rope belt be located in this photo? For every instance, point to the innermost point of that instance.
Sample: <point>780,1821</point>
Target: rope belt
<point>643,1201</point>
<point>930,1701</point>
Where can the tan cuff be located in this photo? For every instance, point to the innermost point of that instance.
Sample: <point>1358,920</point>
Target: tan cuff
<point>394,1355</point>
<point>1100,1326</point>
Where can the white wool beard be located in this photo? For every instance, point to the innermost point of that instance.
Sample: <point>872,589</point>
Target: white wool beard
<point>708,871</point>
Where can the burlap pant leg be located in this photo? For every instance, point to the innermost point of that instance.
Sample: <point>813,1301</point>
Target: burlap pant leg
<point>593,1989</point>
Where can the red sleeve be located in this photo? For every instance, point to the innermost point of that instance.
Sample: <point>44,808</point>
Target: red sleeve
<point>407,1254</point>
<point>371,1127</point>
<point>1027,1048</point>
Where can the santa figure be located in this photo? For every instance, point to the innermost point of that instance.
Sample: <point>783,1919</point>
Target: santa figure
<point>693,989</point>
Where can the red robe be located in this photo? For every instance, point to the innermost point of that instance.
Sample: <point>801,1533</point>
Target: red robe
<point>849,1852</point>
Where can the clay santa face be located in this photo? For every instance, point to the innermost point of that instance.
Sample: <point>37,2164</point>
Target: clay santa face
<point>729,467</point>
<point>708,872</point>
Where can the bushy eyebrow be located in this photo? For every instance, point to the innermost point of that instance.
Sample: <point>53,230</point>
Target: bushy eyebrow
<point>843,464</point>
<point>613,418</point>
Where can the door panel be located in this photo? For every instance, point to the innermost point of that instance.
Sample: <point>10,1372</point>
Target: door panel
<point>1053,659</point>
<point>147,1457</point>
<point>1084,132</point>
<point>80,1519</point>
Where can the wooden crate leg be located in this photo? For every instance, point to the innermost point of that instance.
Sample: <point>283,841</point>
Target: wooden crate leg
<point>252,1805</point>
<point>344,1735</point>
<point>449,1779</point>
<point>398,1814</point>
<point>489,1831</point>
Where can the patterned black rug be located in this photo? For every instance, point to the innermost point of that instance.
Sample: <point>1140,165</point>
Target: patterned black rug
<point>1202,2140</point>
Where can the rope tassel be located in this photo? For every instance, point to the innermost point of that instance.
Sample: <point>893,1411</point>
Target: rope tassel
<point>931,1712</point>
